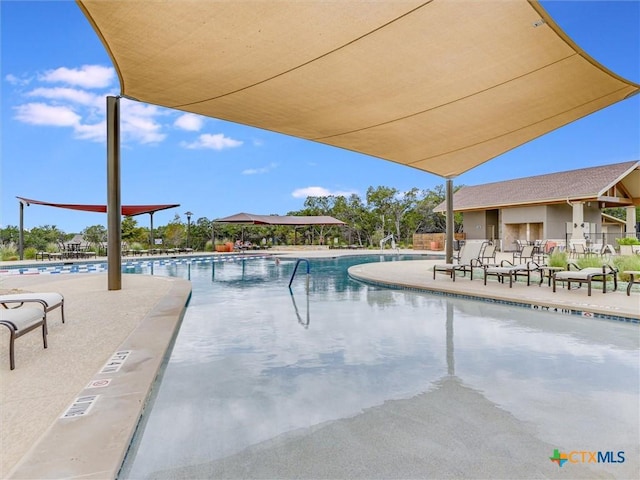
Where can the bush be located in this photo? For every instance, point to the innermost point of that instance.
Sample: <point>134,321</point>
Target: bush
<point>628,241</point>
<point>626,262</point>
<point>30,253</point>
<point>208,247</point>
<point>558,259</point>
<point>588,262</point>
<point>8,253</point>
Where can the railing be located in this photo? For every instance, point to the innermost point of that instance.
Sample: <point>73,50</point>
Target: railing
<point>295,269</point>
<point>386,239</point>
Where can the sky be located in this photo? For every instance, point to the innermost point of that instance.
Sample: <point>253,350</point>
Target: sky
<point>55,75</point>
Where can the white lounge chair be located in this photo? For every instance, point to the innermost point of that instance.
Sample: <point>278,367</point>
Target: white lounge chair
<point>587,275</point>
<point>20,321</point>
<point>508,269</point>
<point>48,300</point>
<point>469,259</point>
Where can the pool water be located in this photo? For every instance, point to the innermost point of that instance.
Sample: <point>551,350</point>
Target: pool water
<point>263,381</point>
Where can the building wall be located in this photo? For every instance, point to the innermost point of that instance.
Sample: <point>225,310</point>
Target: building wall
<point>474,225</point>
<point>556,220</point>
<point>543,222</point>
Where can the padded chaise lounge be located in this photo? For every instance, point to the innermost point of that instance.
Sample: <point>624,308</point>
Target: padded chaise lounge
<point>469,258</point>
<point>48,300</point>
<point>587,275</point>
<point>20,321</point>
<point>508,269</point>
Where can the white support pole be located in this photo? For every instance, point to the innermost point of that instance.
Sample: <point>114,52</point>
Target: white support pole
<point>577,232</point>
<point>630,224</point>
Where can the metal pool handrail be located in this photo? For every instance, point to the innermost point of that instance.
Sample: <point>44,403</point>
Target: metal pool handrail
<point>295,269</point>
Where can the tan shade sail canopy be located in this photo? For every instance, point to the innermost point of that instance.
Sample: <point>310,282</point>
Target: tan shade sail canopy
<point>441,86</point>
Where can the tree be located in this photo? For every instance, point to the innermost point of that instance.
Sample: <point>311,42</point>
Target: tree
<point>9,235</point>
<point>174,232</point>
<point>95,235</point>
<point>40,237</point>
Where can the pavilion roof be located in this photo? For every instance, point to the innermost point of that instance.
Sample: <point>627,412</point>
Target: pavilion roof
<point>295,220</point>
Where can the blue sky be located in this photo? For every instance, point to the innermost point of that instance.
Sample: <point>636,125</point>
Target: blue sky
<point>55,75</point>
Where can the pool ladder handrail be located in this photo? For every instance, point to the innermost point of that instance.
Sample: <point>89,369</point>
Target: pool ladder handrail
<point>295,269</point>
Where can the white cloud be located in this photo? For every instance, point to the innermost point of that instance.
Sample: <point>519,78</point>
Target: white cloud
<point>81,97</point>
<point>87,76</point>
<point>43,114</point>
<point>13,80</point>
<point>319,192</point>
<point>96,132</point>
<point>189,122</point>
<point>142,129</point>
<point>258,171</point>
<point>212,141</point>
<point>139,122</point>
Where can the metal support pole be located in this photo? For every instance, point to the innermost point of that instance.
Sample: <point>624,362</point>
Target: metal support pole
<point>188,214</point>
<point>449,234</point>
<point>114,208</point>
<point>152,240</point>
<point>21,238</point>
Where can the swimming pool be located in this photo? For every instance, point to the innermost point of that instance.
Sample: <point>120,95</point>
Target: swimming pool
<point>356,381</point>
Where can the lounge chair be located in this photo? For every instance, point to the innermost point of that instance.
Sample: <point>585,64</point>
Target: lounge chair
<point>526,254</point>
<point>488,255</point>
<point>48,300</point>
<point>578,249</point>
<point>634,279</point>
<point>20,321</point>
<point>586,275</point>
<point>469,259</point>
<point>508,269</point>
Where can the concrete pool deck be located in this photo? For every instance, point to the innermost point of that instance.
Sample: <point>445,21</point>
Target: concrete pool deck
<point>130,330</point>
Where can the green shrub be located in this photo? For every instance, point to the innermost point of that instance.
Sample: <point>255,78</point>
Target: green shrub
<point>52,248</point>
<point>208,247</point>
<point>626,262</point>
<point>30,253</point>
<point>8,253</point>
<point>588,262</point>
<point>558,259</point>
<point>628,241</point>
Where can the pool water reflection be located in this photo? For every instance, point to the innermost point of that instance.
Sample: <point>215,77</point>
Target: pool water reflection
<point>256,363</point>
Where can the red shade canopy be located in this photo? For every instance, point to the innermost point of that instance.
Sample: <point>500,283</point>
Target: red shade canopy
<point>127,210</point>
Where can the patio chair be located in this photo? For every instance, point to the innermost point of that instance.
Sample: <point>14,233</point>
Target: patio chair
<point>469,259</point>
<point>525,254</point>
<point>511,270</point>
<point>586,275</point>
<point>48,300</point>
<point>578,249</point>
<point>488,255</point>
<point>20,321</point>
